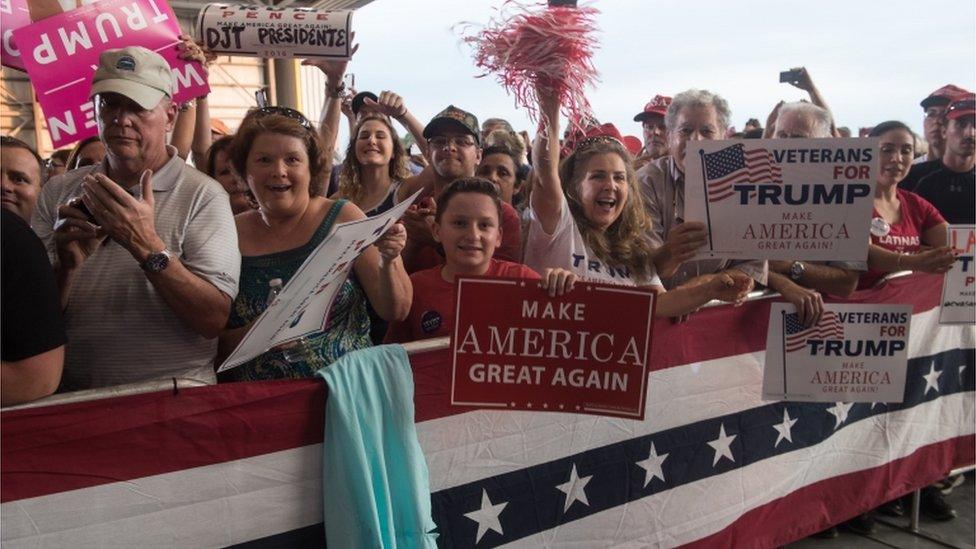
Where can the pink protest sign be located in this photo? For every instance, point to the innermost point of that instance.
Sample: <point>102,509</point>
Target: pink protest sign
<point>61,54</point>
<point>13,15</point>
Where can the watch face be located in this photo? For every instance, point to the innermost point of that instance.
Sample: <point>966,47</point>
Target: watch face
<point>157,262</point>
<point>796,270</point>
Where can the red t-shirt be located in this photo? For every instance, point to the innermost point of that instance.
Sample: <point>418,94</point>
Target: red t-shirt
<point>510,249</point>
<point>917,216</point>
<point>432,312</point>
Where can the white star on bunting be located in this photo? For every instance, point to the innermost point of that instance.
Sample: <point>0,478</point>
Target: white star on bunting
<point>962,374</point>
<point>932,380</point>
<point>575,489</point>
<point>487,516</point>
<point>652,466</point>
<point>784,429</point>
<point>722,446</point>
<point>840,410</point>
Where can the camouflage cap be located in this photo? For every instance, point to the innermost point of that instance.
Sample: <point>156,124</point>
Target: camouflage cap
<point>453,118</point>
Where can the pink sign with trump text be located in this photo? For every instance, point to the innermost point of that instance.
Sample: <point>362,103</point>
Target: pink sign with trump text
<point>585,352</point>
<point>61,53</point>
<point>13,15</point>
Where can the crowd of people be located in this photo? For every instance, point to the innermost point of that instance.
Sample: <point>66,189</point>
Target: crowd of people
<point>148,251</point>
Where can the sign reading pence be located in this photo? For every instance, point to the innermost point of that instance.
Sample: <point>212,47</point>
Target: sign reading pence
<point>583,352</point>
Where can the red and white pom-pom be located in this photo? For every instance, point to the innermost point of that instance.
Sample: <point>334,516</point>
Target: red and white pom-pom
<point>551,48</point>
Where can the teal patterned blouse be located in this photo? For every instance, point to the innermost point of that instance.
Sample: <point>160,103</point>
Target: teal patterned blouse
<point>348,327</point>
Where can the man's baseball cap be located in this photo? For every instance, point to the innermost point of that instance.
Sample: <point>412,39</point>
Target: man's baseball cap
<point>963,104</point>
<point>359,100</point>
<point>655,107</point>
<point>453,118</point>
<point>140,74</point>
<point>941,96</point>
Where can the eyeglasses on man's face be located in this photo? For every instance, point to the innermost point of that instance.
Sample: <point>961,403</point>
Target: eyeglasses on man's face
<point>459,141</point>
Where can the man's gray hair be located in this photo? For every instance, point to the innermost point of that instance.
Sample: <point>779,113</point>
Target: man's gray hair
<point>821,117</point>
<point>698,98</point>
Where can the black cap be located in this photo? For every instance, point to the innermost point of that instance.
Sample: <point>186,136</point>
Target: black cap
<point>360,99</point>
<point>453,117</point>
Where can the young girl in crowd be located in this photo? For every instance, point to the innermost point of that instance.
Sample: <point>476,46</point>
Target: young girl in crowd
<point>280,155</point>
<point>588,217</point>
<point>375,166</point>
<point>218,167</point>
<point>468,226</point>
<point>907,232</point>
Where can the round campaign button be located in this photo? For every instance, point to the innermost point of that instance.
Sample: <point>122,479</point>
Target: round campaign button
<point>880,227</point>
<point>430,322</point>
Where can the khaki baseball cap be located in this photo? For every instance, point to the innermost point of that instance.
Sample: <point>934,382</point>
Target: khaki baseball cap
<point>140,74</point>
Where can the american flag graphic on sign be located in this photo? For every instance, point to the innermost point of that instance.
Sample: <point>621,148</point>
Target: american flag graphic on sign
<point>797,335</point>
<point>735,164</point>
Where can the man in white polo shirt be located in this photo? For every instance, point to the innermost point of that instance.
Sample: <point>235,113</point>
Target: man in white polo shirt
<point>146,247</point>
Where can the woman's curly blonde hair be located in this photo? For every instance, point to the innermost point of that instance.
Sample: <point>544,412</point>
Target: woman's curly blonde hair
<point>625,242</point>
<point>350,185</point>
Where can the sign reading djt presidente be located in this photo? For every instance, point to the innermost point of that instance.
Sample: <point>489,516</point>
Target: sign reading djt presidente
<point>801,199</point>
<point>856,353</point>
<point>959,285</point>
<point>584,352</point>
<point>302,308</point>
<point>61,54</point>
<point>264,31</point>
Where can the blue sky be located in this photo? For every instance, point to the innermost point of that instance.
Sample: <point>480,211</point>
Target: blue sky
<point>872,60</point>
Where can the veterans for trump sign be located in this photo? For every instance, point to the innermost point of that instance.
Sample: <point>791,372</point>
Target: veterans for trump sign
<point>516,348</point>
<point>61,54</point>
<point>855,353</point>
<point>264,31</point>
<point>959,285</point>
<point>801,199</point>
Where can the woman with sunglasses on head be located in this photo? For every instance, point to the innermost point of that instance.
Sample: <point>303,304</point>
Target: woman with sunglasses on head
<point>587,216</point>
<point>280,156</point>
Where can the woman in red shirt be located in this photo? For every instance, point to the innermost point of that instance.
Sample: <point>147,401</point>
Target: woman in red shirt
<point>907,232</point>
<point>468,226</point>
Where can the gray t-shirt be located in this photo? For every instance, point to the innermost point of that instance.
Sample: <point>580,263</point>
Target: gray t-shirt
<point>120,330</point>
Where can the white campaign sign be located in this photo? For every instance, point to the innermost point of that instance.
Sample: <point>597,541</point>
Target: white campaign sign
<point>260,31</point>
<point>798,199</point>
<point>303,305</point>
<point>856,353</point>
<point>959,286</point>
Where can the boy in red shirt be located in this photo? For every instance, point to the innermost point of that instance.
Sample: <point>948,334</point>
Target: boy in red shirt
<point>467,225</point>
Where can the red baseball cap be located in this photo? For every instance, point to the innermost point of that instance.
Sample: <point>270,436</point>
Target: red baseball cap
<point>655,107</point>
<point>963,104</point>
<point>633,144</point>
<point>941,96</point>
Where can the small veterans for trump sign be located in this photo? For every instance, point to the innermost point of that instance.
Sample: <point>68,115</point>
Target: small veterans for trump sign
<point>514,347</point>
<point>855,353</point>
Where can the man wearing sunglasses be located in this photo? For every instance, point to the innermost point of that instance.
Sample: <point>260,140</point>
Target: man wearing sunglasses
<point>454,150</point>
<point>145,247</point>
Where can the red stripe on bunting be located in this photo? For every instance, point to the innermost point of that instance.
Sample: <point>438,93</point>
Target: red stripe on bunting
<point>57,448</point>
<point>841,498</point>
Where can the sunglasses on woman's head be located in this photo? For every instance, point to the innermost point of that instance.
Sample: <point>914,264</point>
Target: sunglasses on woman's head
<point>286,112</point>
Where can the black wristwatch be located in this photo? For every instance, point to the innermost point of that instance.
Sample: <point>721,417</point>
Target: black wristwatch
<point>796,270</point>
<point>157,261</point>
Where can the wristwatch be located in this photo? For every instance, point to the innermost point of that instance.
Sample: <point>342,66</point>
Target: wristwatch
<point>157,261</point>
<point>796,270</point>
